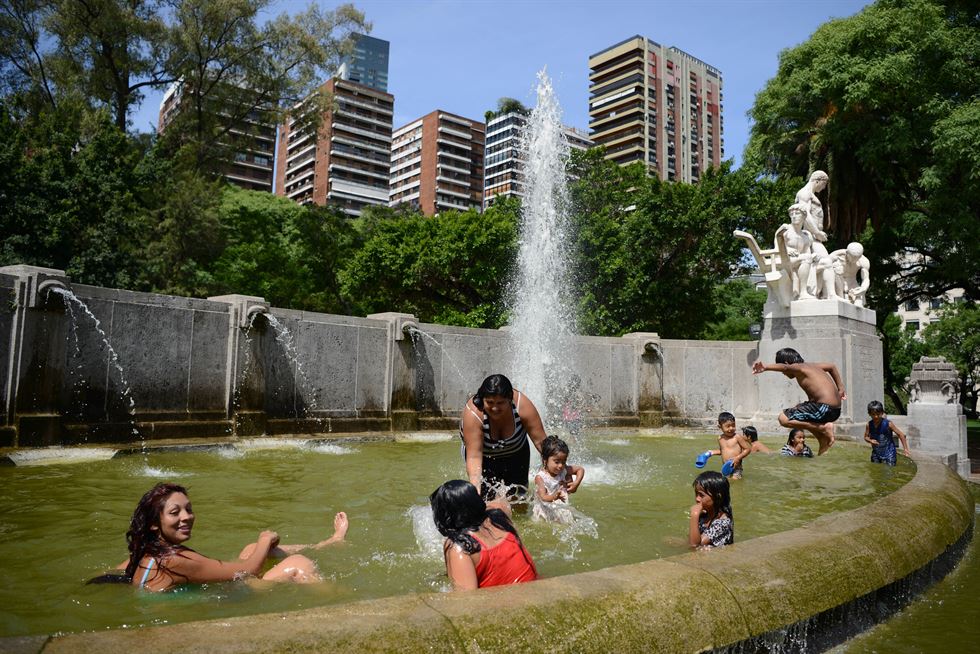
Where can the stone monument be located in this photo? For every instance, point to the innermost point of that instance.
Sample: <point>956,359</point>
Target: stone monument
<point>937,425</point>
<point>816,305</point>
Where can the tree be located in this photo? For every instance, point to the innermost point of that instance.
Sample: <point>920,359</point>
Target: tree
<point>236,74</point>
<point>956,336</point>
<point>650,253</point>
<point>450,269</point>
<point>738,305</point>
<point>72,194</point>
<point>886,103</point>
<point>900,349</point>
<point>505,106</point>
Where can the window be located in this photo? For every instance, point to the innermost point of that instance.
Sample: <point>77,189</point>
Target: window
<point>936,303</point>
<point>912,326</point>
<point>912,305</point>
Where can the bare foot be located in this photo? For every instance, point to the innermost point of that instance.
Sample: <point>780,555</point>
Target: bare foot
<point>828,439</point>
<point>340,526</point>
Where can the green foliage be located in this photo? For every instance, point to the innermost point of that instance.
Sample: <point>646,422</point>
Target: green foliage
<point>450,269</point>
<point>738,304</point>
<point>886,103</point>
<point>70,194</point>
<point>505,106</point>
<point>287,253</point>
<point>900,349</point>
<point>650,253</point>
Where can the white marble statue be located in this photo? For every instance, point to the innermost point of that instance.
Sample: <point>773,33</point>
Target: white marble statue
<point>852,272</point>
<point>799,251</point>
<point>807,198</point>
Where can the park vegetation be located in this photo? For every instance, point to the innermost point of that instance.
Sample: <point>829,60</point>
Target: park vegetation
<point>885,101</point>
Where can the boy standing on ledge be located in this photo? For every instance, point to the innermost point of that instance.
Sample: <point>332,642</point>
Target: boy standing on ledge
<point>824,389</point>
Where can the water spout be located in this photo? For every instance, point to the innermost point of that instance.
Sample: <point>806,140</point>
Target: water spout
<point>408,327</point>
<point>541,301</point>
<point>254,312</point>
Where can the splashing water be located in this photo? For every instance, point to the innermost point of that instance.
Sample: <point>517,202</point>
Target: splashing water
<point>127,391</point>
<point>415,333</point>
<point>285,339</point>
<point>542,318</point>
<point>427,537</point>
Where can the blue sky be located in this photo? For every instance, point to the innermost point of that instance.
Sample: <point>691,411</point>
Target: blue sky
<point>462,55</point>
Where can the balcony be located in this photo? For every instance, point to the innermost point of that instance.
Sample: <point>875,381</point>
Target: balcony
<point>359,171</point>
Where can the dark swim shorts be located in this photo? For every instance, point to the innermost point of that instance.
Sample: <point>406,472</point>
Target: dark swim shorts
<point>815,412</point>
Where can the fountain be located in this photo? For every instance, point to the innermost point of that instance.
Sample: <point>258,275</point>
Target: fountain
<point>801,588</point>
<point>542,309</point>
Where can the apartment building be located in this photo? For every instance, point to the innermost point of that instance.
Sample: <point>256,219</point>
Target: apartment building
<point>437,163</point>
<point>659,105</point>
<point>505,155</point>
<point>250,144</point>
<point>368,64</point>
<point>346,163</point>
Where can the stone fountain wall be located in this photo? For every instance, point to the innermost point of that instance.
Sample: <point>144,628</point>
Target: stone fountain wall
<point>220,367</point>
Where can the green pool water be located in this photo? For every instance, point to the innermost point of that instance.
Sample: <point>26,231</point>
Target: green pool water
<point>62,524</point>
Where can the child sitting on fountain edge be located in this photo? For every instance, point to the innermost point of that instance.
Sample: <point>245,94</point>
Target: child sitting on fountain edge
<point>554,481</point>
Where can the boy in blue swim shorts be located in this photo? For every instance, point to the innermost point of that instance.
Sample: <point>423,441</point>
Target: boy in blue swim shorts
<point>824,389</point>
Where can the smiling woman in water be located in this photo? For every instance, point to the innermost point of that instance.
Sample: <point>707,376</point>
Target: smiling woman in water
<point>159,560</point>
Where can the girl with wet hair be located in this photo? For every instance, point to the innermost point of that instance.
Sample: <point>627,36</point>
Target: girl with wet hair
<point>554,481</point>
<point>482,547</point>
<point>160,560</point>
<point>495,426</point>
<point>712,524</point>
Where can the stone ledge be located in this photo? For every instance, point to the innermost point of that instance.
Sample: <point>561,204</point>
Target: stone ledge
<point>776,582</point>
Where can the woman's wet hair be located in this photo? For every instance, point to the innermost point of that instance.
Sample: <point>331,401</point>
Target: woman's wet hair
<point>751,433</point>
<point>497,385</point>
<point>551,446</point>
<point>143,537</point>
<point>716,486</point>
<point>458,509</point>
<point>792,434</point>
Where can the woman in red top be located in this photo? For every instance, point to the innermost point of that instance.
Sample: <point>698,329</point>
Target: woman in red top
<point>482,547</point>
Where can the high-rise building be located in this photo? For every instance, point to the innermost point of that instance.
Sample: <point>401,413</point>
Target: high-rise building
<point>250,144</point>
<point>368,64</point>
<point>346,163</point>
<point>437,163</point>
<point>505,155</point>
<point>657,105</point>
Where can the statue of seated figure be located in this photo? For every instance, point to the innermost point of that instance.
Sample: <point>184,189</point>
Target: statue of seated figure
<point>799,251</point>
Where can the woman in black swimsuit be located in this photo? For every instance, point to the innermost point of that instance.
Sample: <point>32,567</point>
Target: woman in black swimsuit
<point>495,428</point>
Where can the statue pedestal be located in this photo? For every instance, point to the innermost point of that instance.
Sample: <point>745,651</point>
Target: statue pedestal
<point>937,425</point>
<point>823,330</point>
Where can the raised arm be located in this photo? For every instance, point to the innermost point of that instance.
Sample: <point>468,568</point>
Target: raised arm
<point>759,367</point>
<point>746,448</point>
<point>834,373</point>
<point>693,533</point>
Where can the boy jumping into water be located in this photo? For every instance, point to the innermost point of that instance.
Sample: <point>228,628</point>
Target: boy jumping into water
<point>824,389</point>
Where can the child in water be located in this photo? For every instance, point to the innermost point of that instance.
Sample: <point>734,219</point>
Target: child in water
<point>880,433</point>
<point>160,560</point>
<point>752,434</point>
<point>711,524</point>
<point>796,445</point>
<point>554,481</point>
<point>732,447</point>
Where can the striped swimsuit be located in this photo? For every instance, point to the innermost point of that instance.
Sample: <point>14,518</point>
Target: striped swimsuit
<point>504,460</point>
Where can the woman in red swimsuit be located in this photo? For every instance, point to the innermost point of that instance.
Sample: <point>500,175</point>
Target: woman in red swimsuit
<point>482,547</point>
